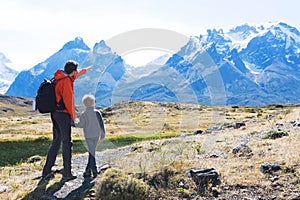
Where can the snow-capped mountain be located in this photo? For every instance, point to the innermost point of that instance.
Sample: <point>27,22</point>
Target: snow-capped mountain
<point>247,65</point>
<point>7,73</point>
<point>108,67</point>
<point>27,82</point>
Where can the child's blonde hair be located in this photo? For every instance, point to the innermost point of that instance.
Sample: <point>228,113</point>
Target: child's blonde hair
<point>88,100</point>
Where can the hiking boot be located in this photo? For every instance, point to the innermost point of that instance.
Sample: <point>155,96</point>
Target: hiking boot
<point>87,174</point>
<point>68,177</point>
<point>95,173</point>
<point>47,176</point>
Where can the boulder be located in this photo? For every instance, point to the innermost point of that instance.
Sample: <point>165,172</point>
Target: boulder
<point>204,177</point>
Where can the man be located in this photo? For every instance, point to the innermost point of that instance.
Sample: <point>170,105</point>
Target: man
<point>62,117</point>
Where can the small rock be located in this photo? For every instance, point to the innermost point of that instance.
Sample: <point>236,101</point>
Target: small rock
<point>154,143</point>
<point>198,132</point>
<point>267,168</point>
<point>295,197</point>
<point>3,188</point>
<point>273,179</point>
<point>215,192</point>
<point>295,123</point>
<point>35,158</point>
<point>181,184</point>
<point>213,129</point>
<point>213,156</point>
<point>239,124</point>
<point>8,110</point>
<point>135,148</point>
<point>243,148</point>
<point>104,167</point>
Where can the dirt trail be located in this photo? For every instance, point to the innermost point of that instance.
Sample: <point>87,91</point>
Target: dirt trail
<point>78,188</point>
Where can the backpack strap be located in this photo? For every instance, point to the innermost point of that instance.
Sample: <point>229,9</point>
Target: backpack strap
<point>98,117</point>
<point>60,105</point>
<point>100,120</point>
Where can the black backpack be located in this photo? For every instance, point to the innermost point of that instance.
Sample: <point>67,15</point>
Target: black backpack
<point>45,100</point>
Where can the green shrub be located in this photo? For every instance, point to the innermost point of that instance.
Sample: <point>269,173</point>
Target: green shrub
<point>114,184</point>
<point>198,147</point>
<point>274,134</point>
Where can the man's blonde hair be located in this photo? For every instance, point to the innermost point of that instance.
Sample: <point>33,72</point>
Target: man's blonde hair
<point>88,100</point>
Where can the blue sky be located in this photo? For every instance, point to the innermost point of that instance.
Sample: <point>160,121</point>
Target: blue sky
<point>33,30</point>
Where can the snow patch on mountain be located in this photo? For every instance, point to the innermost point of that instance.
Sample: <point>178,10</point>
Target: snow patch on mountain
<point>7,73</point>
<point>252,68</point>
<point>102,48</point>
<point>35,71</point>
<point>160,60</point>
<point>193,47</point>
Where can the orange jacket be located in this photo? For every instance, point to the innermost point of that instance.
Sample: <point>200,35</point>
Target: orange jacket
<point>64,88</point>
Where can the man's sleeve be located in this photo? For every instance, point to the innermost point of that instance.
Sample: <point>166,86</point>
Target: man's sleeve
<point>80,73</point>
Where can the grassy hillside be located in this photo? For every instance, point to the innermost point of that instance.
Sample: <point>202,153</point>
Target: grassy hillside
<point>162,147</point>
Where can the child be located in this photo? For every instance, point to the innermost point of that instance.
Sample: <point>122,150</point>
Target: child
<point>93,127</point>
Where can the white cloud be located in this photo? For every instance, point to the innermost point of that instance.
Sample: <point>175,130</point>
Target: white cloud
<point>32,30</point>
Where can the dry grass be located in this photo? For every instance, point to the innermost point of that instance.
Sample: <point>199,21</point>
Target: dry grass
<point>182,152</point>
<point>215,150</point>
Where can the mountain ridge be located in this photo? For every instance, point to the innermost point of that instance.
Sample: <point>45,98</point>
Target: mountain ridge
<point>253,65</point>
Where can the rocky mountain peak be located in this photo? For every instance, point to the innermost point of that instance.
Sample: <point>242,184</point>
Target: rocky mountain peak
<point>77,43</point>
<point>101,48</point>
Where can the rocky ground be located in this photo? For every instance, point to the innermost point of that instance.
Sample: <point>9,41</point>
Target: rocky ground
<point>79,188</point>
<point>239,143</point>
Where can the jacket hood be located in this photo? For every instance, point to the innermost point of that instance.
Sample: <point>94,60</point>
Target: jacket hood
<point>60,74</point>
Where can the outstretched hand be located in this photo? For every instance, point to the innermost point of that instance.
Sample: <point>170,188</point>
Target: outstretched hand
<point>89,68</point>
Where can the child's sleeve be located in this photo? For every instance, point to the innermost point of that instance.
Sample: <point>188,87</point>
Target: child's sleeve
<point>102,128</point>
<point>81,123</point>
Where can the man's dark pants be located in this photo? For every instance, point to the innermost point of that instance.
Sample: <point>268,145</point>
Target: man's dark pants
<point>61,134</point>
